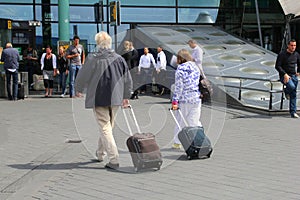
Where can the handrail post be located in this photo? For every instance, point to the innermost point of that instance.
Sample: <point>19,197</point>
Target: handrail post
<point>271,102</point>
<point>271,94</point>
<point>281,101</point>
<point>240,90</point>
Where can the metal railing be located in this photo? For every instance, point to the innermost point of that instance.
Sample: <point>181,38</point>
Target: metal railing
<point>240,87</point>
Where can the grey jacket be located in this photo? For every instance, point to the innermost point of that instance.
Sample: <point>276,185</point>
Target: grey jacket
<point>106,78</point>
<point>10,57</point>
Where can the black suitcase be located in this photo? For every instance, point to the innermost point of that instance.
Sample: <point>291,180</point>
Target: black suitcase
<point>21,91</point>
<point>144,151</point>
<point>194,141</point>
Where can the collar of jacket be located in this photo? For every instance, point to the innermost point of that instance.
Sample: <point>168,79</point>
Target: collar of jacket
<point>103,53</point>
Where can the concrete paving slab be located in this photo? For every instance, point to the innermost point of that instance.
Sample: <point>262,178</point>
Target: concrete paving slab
<point>255,156</point>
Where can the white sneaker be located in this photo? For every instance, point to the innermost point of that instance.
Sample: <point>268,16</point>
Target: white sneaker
<point>62,96</point>
<point>295,115</point>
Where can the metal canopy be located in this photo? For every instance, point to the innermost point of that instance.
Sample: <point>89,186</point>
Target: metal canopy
<point>290,7</point>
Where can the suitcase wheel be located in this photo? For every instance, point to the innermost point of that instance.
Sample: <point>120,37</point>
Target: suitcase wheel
<point>159,165</point>
<point>208,155</point>
<point>136,169</point>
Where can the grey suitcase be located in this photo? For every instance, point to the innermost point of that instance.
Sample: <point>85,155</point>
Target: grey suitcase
<point>193,139</point>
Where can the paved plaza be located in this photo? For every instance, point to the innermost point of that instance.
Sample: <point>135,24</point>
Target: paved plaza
<point>41,157</point>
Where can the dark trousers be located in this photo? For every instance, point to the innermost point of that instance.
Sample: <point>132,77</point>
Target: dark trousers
<point>161,79</point>
<point>12,95</point>
<point>30,75</point>
<point>48,83</point>
<point>145,78</point>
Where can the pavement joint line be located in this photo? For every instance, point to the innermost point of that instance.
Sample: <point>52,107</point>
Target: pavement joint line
<point>246,163</point>
<point>37,177</point>
<point>36,163</point>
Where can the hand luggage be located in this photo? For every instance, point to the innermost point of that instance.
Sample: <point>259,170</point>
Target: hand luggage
<point>21,91</point>
<point>23,78</point>
<point>144,151</point>
<point>38,82</point>
<point>193,139</point>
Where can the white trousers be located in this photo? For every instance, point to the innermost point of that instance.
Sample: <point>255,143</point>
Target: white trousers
<point>191,114</point>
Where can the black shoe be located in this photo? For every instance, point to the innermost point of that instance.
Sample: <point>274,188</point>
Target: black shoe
<point>111,166</point>
<point>132,96</point>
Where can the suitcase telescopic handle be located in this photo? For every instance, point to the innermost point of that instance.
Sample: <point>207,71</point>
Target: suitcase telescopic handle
<point>134,119</point>
<point>181,115</point>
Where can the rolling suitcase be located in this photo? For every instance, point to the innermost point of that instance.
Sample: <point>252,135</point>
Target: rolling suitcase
<point>21,91</point>
<point>144,151</point>
<point>193,139</point>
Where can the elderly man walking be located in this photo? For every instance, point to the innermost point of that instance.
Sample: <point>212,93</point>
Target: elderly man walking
<point>108,83</point>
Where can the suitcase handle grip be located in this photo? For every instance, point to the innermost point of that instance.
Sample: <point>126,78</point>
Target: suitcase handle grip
<point>181,115</point>
<point>134,119</point>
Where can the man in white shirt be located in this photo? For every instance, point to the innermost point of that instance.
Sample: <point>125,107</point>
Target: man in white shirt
<point>161,66</point>
<point>197,52</point>
<point>144,69</point>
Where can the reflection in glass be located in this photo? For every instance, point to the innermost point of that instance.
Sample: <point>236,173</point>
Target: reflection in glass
<point>148,14</point>
<point>16,12</point>
<point>191,15</point>
<point>195,3</point>
<point>148,3</point>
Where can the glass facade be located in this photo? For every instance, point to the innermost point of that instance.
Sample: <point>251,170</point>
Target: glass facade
<point>82,16</point>
<point>235,16</point>
<point>154,15</point>
<point>240,18</point>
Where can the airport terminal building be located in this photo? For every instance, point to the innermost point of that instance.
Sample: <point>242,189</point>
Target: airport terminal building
<point>37,21</point>
<point>240,38</point>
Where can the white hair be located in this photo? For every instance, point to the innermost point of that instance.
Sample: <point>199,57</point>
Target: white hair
<point>103,40</point>
<point>8,45</point>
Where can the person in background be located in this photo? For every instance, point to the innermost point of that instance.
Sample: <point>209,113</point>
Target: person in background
<point>129,55</point>
<point>197,52</point>
<point>133,70</point>
<point>108,84</point>
<point>76,54</point>
<point>30,57</point>
<point>48,66</point>
<point>11,58</point>
<point>161,67</point>
<point>186,94</point>
<point>62,65</point>
<point>287,64</point>
<point>144,69</point>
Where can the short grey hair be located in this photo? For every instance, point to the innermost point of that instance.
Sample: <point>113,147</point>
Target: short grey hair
<point>103,40</point>
<point>192,42</point>
<point>8,45</point>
